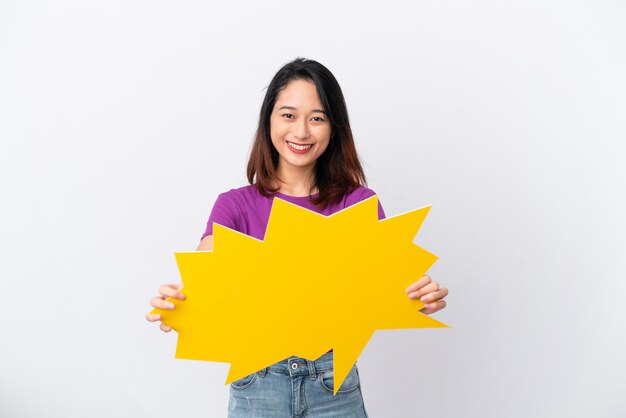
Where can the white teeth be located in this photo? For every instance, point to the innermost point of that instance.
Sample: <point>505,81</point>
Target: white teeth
<point>299,147</point>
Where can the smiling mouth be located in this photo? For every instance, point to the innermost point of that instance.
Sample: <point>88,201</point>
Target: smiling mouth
<point>298,146</point>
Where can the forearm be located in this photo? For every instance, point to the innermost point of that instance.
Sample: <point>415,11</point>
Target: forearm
<point>206,244</point>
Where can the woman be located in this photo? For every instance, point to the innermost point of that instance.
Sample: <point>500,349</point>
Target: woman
<point>304,153</point>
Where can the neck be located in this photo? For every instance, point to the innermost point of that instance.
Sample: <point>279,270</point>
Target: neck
<point>297,181</point>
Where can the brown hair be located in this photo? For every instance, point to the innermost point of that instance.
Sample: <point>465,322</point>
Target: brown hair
<point>338,170</point>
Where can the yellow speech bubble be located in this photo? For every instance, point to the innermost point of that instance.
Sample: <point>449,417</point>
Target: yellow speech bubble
<point>314,283</point>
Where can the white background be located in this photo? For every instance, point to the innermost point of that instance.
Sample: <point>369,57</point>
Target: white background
<point>121,121</point>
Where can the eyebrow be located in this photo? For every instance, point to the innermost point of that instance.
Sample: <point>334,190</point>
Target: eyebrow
<point>293,108</point>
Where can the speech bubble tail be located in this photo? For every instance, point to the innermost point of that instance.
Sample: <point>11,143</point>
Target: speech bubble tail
<point>345,354</point>
<point>236,371</point>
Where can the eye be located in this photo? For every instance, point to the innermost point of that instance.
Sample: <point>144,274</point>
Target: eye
<point>287,114</point>
<point>320,119</point>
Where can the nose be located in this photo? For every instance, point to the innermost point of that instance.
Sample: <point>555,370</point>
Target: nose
<point>301,129</point>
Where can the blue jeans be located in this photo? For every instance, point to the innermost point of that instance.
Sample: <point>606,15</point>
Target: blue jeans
<point>295,388</point>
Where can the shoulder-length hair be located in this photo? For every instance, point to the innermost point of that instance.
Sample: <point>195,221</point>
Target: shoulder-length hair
<point>338,170</point>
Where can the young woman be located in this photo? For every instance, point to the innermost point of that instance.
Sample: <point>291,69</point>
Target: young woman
<point>304,153</point>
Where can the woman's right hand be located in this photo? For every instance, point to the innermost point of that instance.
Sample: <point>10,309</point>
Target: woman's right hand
<point>166,291</point>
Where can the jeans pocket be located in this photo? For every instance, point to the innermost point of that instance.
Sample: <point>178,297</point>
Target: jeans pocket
<point>245,381</point>
<point>349,385</point>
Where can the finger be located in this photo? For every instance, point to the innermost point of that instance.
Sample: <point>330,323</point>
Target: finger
<point>436,306</point>
<point>418,284</point>
<point>433,307</point>
<point>436,295</point>
<point>430,287</point>
<point>158,302</point>
<point>153,317</point>
<point>171,290</point>
<point>165,328</point>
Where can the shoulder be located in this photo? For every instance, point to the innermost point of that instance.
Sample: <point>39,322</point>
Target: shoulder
<point>242,198</point>
<point>359,194</point>
<point>240,193</point>
<point>362,193</point>
<point>231,199</point>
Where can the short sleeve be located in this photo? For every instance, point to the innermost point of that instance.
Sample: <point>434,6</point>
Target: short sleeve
<point>369,193</point>
<point>225,212</point>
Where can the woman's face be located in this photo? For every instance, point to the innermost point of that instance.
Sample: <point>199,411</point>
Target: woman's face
<point>299,128</point>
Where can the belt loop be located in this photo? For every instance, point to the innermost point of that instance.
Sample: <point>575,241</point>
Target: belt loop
<point>312,371</point>
<point>262,372</point>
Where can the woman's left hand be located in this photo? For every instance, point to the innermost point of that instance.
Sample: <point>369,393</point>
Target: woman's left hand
<point>428,292</point>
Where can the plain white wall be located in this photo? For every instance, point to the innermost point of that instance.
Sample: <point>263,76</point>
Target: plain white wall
<point>121,121</point>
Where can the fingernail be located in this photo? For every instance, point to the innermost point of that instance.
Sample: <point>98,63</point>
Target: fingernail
<point>169,305</point>
<point>423,298</point>
<point>181,296</point>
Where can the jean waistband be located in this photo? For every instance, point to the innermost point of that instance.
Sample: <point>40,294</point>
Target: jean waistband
<point>297,366</point>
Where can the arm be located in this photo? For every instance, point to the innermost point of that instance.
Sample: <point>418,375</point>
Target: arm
<point>206,244</point>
